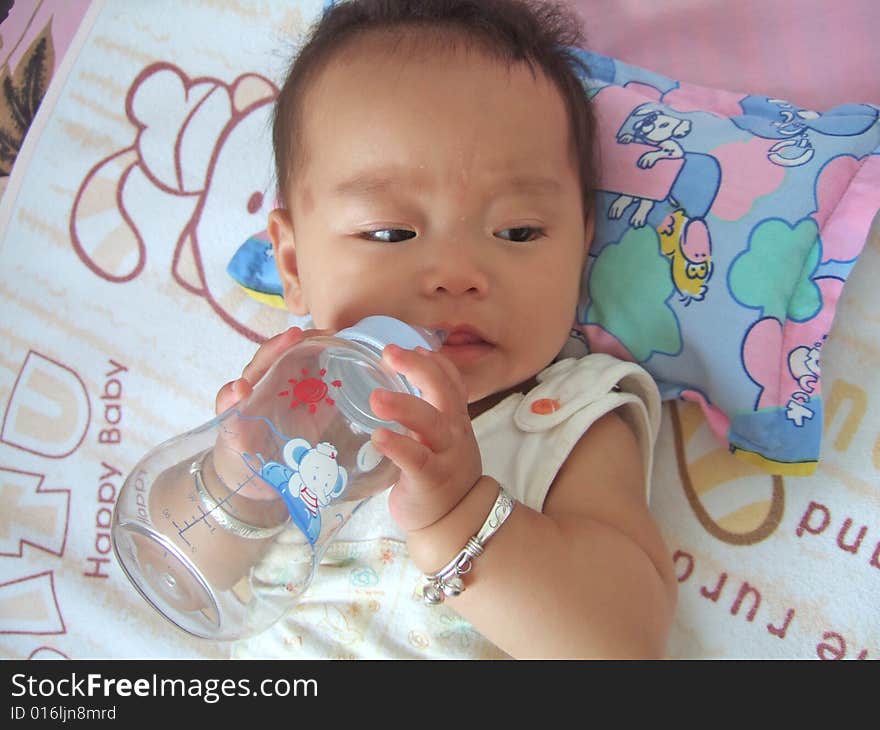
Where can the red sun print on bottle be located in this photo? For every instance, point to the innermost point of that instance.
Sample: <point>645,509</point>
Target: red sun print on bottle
<point>309,391</point>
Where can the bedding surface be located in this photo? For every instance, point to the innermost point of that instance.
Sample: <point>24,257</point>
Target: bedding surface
<point>145,168</point>
<point>815,53</point>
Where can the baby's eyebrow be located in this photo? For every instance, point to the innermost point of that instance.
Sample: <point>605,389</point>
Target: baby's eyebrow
<point>378,182</point>
<point>374,183</point>
<point>529,184</point>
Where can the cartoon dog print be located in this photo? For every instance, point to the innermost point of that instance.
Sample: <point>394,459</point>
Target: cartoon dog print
<point>649,126</point>
<point>684,236</point>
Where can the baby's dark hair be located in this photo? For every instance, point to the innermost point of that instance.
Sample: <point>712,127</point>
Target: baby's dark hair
<point>540,33</point>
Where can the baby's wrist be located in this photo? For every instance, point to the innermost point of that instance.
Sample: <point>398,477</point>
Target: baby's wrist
<point>433,546</point>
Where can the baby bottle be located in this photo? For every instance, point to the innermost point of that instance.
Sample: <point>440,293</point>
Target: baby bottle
<point>221,528</point>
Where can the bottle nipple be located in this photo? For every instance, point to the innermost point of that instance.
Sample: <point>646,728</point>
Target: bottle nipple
<point>381,330</point>
<point>435,338</point>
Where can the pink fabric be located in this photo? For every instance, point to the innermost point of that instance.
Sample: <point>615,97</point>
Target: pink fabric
<point>26,21</point>
<point>815,53</point>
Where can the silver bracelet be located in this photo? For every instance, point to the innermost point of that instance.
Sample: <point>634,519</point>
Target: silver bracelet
<point>447,581</point>
<point>221,516</point>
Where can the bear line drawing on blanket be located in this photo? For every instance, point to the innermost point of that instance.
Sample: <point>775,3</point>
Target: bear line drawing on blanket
<point>200,153</point>
<point>726,228</point>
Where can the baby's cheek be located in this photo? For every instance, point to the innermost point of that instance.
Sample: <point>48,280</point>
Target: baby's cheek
<point>547,335</point>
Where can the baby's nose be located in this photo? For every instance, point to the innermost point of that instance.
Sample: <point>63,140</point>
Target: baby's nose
<point>455,272</point>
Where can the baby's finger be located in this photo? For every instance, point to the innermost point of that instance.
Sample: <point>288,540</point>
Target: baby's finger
<point>411,456</point>
<point>449,368</point>
<point>268,353</point>
<point>230,394</point>
<point>421,418</point>
<point>427,375</point>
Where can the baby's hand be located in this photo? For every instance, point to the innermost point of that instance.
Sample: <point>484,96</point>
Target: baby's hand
<point>234,445</point>
<point>440,459</point>
<point>265,356</point>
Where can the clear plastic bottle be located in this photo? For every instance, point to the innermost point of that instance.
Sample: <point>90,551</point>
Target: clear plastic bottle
<point>221,528</point>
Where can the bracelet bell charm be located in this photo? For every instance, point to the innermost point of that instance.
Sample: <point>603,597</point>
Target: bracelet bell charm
<point>435,591</point>
<point>447,581</point>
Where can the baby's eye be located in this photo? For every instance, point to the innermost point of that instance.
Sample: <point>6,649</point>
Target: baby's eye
<point>389,235</point>
<point>522,234</point>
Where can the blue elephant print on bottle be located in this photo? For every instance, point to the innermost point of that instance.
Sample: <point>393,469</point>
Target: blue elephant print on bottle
<point>309,478</point>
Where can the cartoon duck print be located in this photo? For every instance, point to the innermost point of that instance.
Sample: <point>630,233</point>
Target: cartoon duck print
<point>687,245</point>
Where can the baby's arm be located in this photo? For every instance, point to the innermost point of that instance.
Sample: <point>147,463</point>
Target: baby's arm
<point>589,576</point>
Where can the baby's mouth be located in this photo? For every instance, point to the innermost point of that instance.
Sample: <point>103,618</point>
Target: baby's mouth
<point>462,337</point>
<point>465,345</point>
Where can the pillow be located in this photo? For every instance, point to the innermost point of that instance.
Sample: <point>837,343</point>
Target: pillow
<point>726,227</point>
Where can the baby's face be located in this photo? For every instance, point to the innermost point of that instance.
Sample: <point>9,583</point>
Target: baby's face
<point>438,188</point>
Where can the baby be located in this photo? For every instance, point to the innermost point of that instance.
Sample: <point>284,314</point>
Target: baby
<point>434,164</point>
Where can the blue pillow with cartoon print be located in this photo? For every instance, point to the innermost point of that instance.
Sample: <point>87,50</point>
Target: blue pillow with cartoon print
<point>726,227</point>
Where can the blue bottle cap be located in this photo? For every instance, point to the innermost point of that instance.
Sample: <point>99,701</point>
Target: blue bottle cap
<point>376,333</point>
<point>380,330</point>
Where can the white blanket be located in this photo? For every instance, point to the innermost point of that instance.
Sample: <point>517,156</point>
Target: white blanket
<point>146,167</point>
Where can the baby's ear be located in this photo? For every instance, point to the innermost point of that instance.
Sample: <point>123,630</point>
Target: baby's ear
<point>280,230</point>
